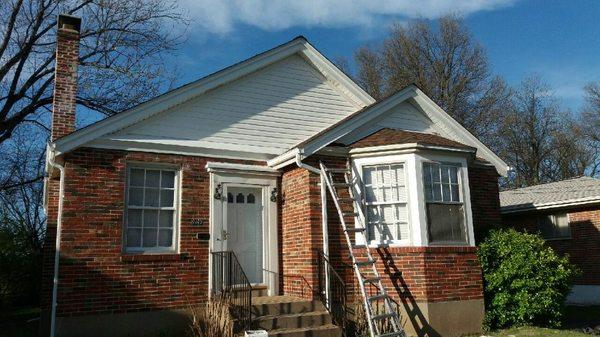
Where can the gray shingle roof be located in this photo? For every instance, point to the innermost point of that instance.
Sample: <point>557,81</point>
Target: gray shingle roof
<point>583,190</point>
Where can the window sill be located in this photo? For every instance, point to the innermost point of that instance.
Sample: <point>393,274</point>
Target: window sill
<point>162,257</point>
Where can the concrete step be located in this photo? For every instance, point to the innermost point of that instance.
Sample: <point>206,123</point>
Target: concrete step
<point>283,305</point>
<point>321,331</point>
<point>293,321</point>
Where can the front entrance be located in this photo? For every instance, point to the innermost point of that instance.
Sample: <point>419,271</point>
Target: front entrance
<point>243,229</point>
<point>243,220</point>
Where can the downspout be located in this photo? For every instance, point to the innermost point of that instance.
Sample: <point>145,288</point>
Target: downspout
<point>57,244</point>
<point>324,224</point>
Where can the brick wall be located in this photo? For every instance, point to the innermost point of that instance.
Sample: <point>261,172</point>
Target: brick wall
<point>583,247</point>
<point>65,84</point>
<point>485,199</point>
<point>95,275</point>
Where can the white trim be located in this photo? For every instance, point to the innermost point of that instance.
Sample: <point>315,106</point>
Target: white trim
<point>191,90</point>
<point>270,247</point>
<point>218,167</point>
<point>550,205</point>
<point>407,146</point>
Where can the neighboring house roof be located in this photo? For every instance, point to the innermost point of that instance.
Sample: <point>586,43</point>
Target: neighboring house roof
<point>390,136</point>
<point>565,193</point>
<point>335,78</point>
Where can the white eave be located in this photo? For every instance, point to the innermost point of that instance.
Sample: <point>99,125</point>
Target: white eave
<point>550,205</point>
<point>182,94</point>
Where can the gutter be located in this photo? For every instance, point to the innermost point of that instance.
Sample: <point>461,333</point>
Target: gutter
<point>61,168</point>
<point>549,205</point>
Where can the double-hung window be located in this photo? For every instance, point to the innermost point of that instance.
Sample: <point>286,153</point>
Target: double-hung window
<point>151,209</point>
<point>554,226</point>
<point>386,202</point>
<point>444,204</point>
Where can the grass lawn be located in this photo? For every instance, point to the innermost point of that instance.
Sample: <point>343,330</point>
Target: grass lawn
<point>535,332</point>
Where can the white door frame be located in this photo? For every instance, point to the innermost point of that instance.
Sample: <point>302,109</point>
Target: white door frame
<point>247,176</point>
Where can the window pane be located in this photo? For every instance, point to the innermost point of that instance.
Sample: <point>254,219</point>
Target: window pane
<point>134,237</point>
<point>149,237</point>
<point>454,174</point>
<point>166,198</point>
<point>152,178</point>
<point>446,193</point>
<point>437,192</point>
<point>455,193</point>
<point>150,218</point>
<point>446,223</point>
<point>168,179</point>
<point>136,196</point>
<point>136,177</point>
<point>445,176</point>
<point>134,218</point>
<point>166,219</point>
<point>165,237</point>
<point>435,173</point>
<point>151,198</point>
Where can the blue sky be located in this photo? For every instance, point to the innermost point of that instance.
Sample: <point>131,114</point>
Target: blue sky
<point>559,40</point>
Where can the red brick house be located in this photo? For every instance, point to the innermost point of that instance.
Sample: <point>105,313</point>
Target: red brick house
<point>567,214</point>
<point>139,203</point>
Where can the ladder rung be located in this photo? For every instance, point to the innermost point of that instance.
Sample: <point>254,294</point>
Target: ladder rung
<point>338,170</point>
<point>372,279</point>
<point>359,246</point>
<point>384,316</point>
<point>392,334</point>
<point>355,229</point>
<point>346,199</point>
<point>342,184</point>
<point>364,263</point>
<point>378,297</point>
<point>350,214</point>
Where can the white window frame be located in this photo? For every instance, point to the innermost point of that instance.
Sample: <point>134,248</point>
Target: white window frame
<point>174,249</point>
<point>459,178</point>
<point>417,220</point>
<point>408,162</point>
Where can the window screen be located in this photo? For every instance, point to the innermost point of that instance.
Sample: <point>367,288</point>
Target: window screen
<point>554,226</point>
<point>151,208</point>
<point>386,202</point>
<point>445,209</point>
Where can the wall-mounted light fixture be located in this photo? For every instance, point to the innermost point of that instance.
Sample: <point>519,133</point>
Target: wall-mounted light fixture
<point>274,194</point>
<point>219,192</point>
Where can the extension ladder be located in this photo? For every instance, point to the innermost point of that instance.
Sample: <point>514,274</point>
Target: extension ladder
<point>365,269</point>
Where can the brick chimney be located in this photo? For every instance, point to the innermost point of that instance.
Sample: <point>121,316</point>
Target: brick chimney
<point>65,77</point>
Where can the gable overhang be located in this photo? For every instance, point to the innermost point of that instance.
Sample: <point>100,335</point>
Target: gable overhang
<point>451,128</point>
<point>186,92</point>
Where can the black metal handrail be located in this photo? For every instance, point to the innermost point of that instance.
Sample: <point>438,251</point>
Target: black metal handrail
<point>230,284</point>
<point>334,297</point>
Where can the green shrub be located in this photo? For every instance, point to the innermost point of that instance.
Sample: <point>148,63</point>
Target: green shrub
<point>525,281</point>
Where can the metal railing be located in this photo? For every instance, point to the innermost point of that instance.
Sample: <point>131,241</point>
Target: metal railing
<point>230,284</point>
<point>333,294</point>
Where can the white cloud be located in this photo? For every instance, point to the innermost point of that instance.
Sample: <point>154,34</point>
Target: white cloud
<point>223,16</point>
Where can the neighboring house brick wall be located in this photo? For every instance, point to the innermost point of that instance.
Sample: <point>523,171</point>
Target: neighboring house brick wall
<point>583,247</point>
<point>95,276</point>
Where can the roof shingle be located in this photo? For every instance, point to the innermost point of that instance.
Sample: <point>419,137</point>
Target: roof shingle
<point>391,136</point>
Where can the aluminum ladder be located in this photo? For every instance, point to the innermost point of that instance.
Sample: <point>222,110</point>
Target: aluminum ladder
<point>365,269</point>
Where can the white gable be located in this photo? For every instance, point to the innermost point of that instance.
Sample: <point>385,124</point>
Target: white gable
<point>266,112</point>
<point>404,116</point>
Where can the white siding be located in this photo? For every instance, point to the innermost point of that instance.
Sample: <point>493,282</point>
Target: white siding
<point>265,112</point>
<point>404,116</point>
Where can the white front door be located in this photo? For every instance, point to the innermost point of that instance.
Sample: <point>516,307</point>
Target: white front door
<point>243,228</point>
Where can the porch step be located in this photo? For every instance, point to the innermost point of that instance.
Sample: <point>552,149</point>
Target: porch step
<point>283,305</point>
<point>329,330</point>
<point>286,316</point>
<point>293,321</point>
